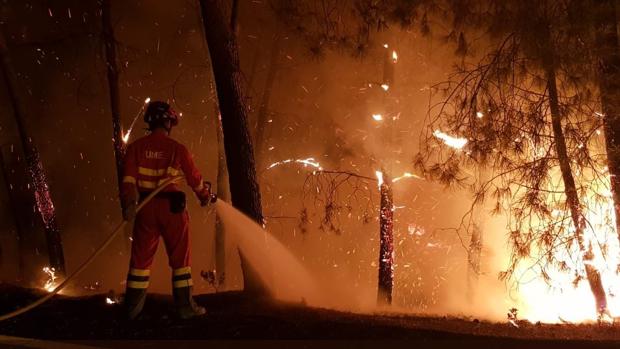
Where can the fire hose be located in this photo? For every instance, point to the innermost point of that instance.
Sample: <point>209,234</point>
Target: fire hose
<point>83,266</point>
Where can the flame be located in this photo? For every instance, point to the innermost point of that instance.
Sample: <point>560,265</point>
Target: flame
<point>453,142</point>
<point>377,117</point>
<point>379,175</point>
<point>560,300</point>
<point>50,284</point>
<point>306,162</point>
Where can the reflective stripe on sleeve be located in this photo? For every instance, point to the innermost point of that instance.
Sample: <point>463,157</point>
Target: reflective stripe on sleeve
<point>147,184</point>
<point>129,179</point>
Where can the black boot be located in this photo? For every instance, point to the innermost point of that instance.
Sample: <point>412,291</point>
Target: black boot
<point>185,305</point>
<point>134,302</point>
<point>135,294</point>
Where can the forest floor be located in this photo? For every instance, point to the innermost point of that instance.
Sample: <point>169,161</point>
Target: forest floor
<point>233,319</point>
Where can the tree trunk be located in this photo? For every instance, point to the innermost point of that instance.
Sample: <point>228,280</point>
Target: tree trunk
<point>609,86</point>
<point>263,110</point>
<point>112,74</point>
<point>570,189</point>
<point>244,189</point>
<point>386,249</point>
<point>36,173</point>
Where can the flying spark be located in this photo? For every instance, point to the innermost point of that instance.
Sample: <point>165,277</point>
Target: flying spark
<point>126,136</point>
<point>453,142</point>
<point>306,162</point>
<point>377,117</point>
<point>385,87</point>
<point>479,115</point>
<point>394,56</point>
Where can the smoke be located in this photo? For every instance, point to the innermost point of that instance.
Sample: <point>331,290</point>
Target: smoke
<point>319,109</point>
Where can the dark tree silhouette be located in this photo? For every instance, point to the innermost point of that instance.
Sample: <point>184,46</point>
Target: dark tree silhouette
<point>113,90</point>
<point>244,188</point>
<point>35,170</point>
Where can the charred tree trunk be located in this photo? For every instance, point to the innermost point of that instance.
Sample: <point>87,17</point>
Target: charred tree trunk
<point>386,249</point>
<point>244,189</point>
<point>112,75</point>
<point>609,86</point>
<point>36,173</point>
<point>570,188</point>
<point>263,110</point>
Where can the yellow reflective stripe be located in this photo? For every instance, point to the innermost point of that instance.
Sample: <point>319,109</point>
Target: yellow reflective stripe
<point>183,283</point>
<point>129,179</point>
<point>181,271</point>
<point>158,172</point>
<point>173,171</point>
<point>139,272</point>
<point>151,172</point>
<point>147,184</point>
<point>137,284</point>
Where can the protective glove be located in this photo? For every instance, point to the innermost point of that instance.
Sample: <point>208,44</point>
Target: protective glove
<point>205,196</point>
<point>129,210</point>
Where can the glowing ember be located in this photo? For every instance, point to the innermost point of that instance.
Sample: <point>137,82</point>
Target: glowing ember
<point>110,301</point>
<point>479,115</point>
<point>453,142</point>
<point>377,117</point>
<point>385,87</point>
<point>50,284</point>
<point>405,175</point>
<point>306,162</point>
<point>379,175</point>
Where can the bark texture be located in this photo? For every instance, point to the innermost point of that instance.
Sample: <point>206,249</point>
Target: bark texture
<point>386,249</point>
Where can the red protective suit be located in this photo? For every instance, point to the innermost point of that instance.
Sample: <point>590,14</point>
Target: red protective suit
<point>148,162</point>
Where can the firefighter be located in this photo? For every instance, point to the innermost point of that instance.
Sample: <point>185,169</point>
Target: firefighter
<point>149,161</point>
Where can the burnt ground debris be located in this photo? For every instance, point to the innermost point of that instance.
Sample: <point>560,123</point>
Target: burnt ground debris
<point>236,316</point>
